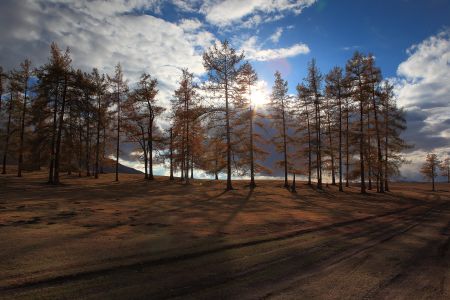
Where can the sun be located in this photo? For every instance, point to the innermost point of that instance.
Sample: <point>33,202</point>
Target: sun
<point>260,94</point>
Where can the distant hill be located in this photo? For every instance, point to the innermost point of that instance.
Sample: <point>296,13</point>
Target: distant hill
<point>110,167</point>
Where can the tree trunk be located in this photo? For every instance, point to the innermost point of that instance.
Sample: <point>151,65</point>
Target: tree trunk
<point>227,120</point>
<point>97,140</point>
<point>150,149</point>
<point>347,154</point>
<point>333,175</point>
<point>252,163</point>
<point>386,147</point>
<point>60,128</point>
<point>369,151</point>
<point>318,142</point>
<point>340,140</point>
<point>118,133</point>
<point>54,128</point>
<point>171,154</point>
<point>22,130</point>
<point>8,131</point>
<point>309,145</point>
<point>361,145</point>
<point>88,139</point>
<point>286,183</point>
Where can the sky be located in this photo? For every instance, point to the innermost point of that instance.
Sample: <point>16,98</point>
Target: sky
<point>409,38</point>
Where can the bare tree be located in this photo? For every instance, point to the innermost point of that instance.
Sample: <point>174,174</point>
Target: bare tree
<point>429,168</point>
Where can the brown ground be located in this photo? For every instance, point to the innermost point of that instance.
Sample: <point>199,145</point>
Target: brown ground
<point>96,239</point>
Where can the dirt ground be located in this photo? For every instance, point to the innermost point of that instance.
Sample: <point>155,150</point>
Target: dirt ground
<point>96,239</point>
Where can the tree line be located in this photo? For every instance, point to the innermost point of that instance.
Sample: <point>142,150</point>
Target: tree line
<point>344,125</point>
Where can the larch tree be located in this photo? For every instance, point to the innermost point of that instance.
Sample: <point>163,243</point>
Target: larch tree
<point>100,88</point>
<point>119,92</point>
<point>314,80</point>
<point>22,77</point>
<point>374,80</point>
<point>185,107</point>
<point>278,106</point>
<point>394,124</point>
<point>304,115</point>
<point>335,88</point>
<point>221,62</point>
<point>445,168</point>
<point>429,168</point>
<point>355,71</point>
<point>53,78</point>
<point>145,95</point>
<point>9,124</point>
<point>247,79</point>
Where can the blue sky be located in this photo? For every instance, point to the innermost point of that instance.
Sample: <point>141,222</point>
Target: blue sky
<point>410,39</point>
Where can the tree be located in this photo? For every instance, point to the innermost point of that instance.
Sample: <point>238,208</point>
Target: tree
<point>119,91</point>
<point>374,79</point>
<point>445,168</point>
<point>278,114</point>
<point>12,90</point>
<point>221,62</point>
<point>394,125</point>
<point>146,95</point>
<point>355,69</point>
<point>100,87</point>
<point>335,89</point>
<point>22,77</point>
<point>247,79</point>
<point>185,107</point>
<point>314,79</point>
<point>429,168</point>
<point>303,96</point>
<point>53,78</point>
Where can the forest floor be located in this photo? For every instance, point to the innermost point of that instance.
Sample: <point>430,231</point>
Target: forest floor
<point>96,239</point>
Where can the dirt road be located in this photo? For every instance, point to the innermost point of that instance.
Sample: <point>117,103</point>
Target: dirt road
<point>266,244</point>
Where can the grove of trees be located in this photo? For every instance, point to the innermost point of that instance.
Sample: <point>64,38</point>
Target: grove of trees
<point>342,127</point>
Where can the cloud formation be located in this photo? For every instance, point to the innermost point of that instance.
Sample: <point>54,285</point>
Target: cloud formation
<point>253,50</point>
<point>228,12</point>
<point>423,90</point>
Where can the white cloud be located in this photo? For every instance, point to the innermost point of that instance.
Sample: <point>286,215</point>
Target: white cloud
<point>224,13</point>
<point>190,25</point>
<point>275,37</point>
<point>101,34</point>
<point>253,51</point>
<point>423,90</point>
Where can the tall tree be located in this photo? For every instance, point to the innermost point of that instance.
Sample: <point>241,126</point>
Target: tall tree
<point>22,77</point>
<point>222,64</point>
<point>278,114</point>
<point>314,79</point>
<point>12,90</point>
<point>335,89</point>
<point>53,78</point>
<point>374,79</point>
<point>100,86</point>
<point>146,94</point>
<point>303,95</point>
<point>355,69</point>
<point>248,79</point>
<point>394,125</point>
<point>119,91</point>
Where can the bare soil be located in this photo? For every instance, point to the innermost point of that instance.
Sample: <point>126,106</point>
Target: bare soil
<point>136,239</point>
